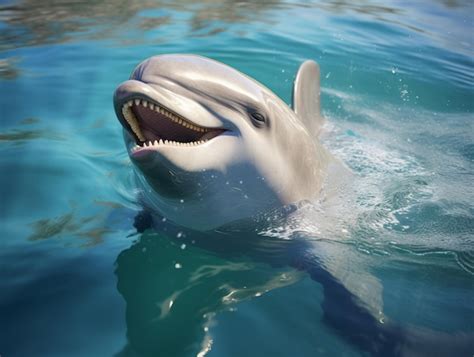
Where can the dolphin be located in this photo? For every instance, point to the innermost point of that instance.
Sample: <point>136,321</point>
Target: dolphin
<point>213,146</point>
<point>203,134</point>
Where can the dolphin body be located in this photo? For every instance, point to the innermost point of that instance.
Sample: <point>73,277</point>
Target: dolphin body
<point>212,146</point>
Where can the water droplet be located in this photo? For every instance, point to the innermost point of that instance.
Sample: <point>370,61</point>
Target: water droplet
<point>183,246</point>
<point>177,266</point>
<point>179,235</point>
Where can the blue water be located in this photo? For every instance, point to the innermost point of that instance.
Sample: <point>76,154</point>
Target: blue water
<point>76,279</point>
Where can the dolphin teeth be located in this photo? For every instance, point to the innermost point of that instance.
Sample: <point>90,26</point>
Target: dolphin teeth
<point>132,120</point>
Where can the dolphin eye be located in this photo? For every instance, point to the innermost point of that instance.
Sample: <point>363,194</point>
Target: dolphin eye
<point>258,118</point>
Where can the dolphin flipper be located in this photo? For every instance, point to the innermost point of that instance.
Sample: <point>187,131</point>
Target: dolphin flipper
<point>306,96</point>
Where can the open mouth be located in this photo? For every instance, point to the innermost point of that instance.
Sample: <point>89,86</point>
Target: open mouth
<point>152,125</point>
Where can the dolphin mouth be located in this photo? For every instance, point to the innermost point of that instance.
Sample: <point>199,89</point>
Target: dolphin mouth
<point>152,125</point>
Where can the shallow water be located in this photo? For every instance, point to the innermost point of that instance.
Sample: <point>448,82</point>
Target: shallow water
<point>77,280</point>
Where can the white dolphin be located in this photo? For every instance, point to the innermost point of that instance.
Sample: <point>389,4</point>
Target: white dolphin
<point>215,146</point>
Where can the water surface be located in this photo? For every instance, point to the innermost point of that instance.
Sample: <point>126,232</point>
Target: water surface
<point>76,279</point>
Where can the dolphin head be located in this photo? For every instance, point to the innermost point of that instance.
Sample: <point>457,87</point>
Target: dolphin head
<point>211,145</point>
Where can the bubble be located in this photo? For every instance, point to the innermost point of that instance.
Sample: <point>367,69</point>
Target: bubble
<point>177,266</point>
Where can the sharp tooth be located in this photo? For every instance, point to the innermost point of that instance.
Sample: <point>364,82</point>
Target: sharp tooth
<point>152,106</point>
<point>137,101</point>
<point>180,121</point>
<point>155,143</point>
<point>129,103</point>
<point>145,103</point>
<point>150,143</point>
<point>166,141</point>
<point>161,141</point>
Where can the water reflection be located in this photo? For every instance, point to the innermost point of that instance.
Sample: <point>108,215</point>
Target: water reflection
<point>8,68</point>
<point>20,135</point>
<point>174,288</point>
<point>31,22</point>
<point>88,229</point>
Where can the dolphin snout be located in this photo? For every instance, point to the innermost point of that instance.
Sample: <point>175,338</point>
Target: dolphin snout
<point>130,88</point>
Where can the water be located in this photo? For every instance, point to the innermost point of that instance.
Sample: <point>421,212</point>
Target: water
<point>76,278</point>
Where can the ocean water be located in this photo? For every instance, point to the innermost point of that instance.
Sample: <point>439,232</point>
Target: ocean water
<point>77,279</point>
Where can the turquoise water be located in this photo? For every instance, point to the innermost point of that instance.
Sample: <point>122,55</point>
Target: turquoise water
<point>76,279</point>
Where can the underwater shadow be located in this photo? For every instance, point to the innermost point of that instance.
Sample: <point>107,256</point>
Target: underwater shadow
<point>173,288</point>
<point>174,283</point>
